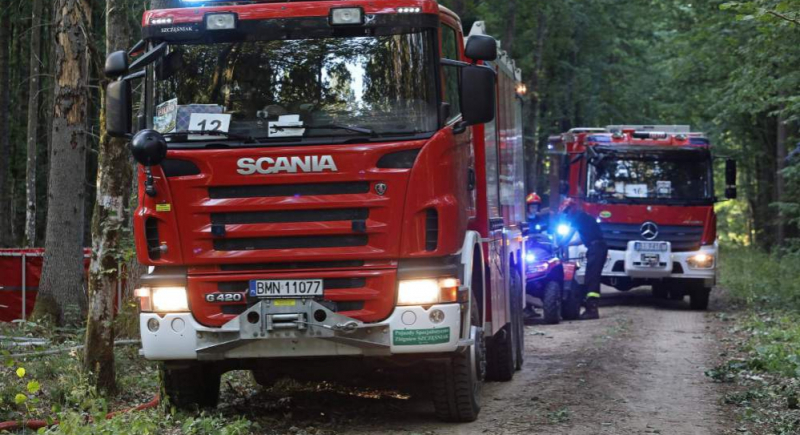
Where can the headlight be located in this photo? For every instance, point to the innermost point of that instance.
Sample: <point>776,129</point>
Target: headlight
<point>162,299</point>
<point>226,21</point>
<point>701,261</point>
<point>427,291</point>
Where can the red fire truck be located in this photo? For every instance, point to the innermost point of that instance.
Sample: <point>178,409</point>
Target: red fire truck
<point>652,191</point>
<point>324,184</point>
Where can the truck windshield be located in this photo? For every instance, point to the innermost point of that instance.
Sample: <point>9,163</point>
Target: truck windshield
<point>667,179</point>
<point>279,89</point>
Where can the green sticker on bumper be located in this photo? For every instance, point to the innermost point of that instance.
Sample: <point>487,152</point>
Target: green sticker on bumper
<point>411,337</point>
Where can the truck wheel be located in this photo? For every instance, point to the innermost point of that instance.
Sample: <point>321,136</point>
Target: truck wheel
<point>660,291</point>
<point>189,387</point>
<point>698,300</point>
<point>517,307</point>
<point>571,304</point>
<point>457,382</point>
<point>551,301</point>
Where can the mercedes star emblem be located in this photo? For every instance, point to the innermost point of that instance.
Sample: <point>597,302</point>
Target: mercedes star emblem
<point>380,188</point>
<point>649,230</point>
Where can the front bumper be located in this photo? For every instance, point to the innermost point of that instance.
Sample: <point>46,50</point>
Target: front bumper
<point>677,268</point>
<point>269,331</point>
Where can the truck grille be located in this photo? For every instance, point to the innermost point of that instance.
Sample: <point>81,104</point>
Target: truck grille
<point>681,237</point>
<point>284,216</point>
<point>272,190</point>
<point>254,243</point>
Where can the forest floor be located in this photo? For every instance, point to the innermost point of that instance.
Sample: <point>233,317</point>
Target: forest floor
<point>647,366</point>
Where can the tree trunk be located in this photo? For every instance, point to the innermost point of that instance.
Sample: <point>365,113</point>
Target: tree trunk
<point>114,174</point>
<point>61,289</point>
<point>33,124</point>
<point>508,35</point>
<point>780,182</point>
<point>5,144</point>
<point>532,150</point>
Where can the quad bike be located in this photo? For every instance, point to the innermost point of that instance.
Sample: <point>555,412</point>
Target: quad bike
<point>544,275</point>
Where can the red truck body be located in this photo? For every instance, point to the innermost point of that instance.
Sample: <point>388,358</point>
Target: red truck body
<point>364,215</point>
<point>649,187</point>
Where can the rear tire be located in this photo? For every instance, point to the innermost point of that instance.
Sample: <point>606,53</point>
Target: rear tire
<point>265,378</point>
<point>190,387</point>
<point>551,301</point>
<point>457,381</point>
<point>698,300</point>
<point>517,307</point>
<point>571,304</point>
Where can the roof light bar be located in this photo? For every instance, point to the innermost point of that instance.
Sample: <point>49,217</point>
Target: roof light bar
<point>346,17</point>
<point>409,10</point>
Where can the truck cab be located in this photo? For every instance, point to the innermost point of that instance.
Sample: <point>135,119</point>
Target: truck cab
<point>651,189</point>
<point>310,186</point>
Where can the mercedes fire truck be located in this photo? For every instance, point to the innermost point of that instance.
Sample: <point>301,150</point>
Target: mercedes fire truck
<point>651,188</point>
<point>324,185</point>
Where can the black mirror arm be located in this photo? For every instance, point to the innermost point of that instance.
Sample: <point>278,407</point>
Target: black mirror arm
<point>149,183</point>
<point>135,76</point>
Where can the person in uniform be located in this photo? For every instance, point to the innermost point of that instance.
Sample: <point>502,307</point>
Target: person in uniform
<point>588,233</point>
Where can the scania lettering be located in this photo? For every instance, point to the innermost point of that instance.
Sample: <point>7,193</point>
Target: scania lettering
<point>268,165</point>
<point>652,191</point>
<point>325,188</point>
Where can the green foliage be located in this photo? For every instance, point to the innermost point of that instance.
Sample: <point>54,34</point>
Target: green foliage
<point>761,279</point>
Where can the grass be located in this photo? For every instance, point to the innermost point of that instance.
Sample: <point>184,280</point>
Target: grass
<point>762,362</point>
<point>758,279</point>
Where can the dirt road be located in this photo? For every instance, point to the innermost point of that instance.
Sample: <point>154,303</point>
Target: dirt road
<point>638,370</point>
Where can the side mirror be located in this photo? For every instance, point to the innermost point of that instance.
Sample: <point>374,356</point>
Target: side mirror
<point>477,94</point>
<point>116,64</point>
<point>730,179</point>
<point>118,108</point>
<point>149,147</point>
<point>481,47</point>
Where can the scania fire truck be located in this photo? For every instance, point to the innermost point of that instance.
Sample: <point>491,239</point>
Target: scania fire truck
<point>324,185</point>
<point>651,188</point>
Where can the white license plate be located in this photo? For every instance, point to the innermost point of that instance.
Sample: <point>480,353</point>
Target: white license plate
<point>285,288</point>
<point>650,246</point>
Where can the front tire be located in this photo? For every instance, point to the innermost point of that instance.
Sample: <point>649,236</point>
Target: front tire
<point>698,300</point>
<point>551,301</point>
<point>189,387</point>
<point>458,381</point>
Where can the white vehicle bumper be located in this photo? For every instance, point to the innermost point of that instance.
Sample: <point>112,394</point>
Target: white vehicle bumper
<point>618,264</point>
<point>280,333</point>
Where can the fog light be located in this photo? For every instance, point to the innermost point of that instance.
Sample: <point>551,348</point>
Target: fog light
<point>161,21</point>
<point>437,316</point>
<point>220,21</point>
<point>153,325</point>
<point>701,261</point>
<point>346,16</point>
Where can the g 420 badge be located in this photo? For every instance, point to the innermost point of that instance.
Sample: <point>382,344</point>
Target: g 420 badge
<point>224,297</point>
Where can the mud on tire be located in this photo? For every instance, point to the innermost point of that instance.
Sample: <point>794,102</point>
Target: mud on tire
<point>190,386</point>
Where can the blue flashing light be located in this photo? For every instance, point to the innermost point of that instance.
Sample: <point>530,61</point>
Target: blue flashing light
<point>530,257</point>
<point>538,227</point>
<point>563,229</point>
<point>599,139</point>
<point>699,141</point>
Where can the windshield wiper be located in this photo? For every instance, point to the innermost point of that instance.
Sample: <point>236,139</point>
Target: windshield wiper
<point>359,130</point>
<point>227,135</point>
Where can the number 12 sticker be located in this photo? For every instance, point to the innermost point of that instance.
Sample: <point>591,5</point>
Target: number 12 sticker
<point>209,122</point>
